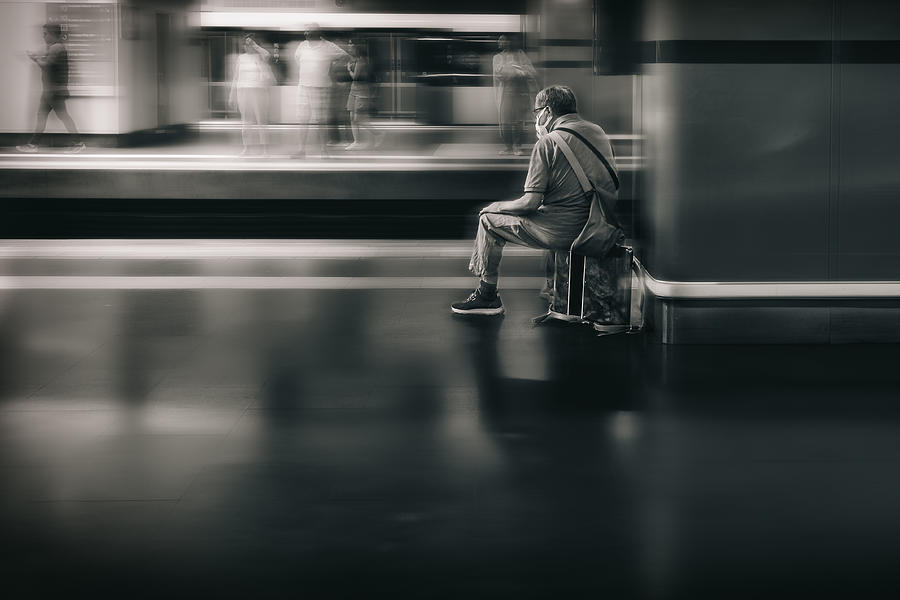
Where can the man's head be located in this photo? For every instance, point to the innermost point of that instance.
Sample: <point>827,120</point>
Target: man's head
<point>550,103</point>
<point>559,99</point>
<point>313,32</point>
<point>503,43</point>
<point>52,33</point>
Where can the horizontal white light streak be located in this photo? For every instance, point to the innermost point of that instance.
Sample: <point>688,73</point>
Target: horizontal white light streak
<point>405,126</point>
<point>230,162</point>
<point>740,290</point>
<point>297,21</point>
<point>67,282</point>
<point>187,249</point>
<point>201,248</point>
<point>667,290</point>
<point>233,163</point>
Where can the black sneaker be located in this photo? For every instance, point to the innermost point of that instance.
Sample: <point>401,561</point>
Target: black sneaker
<point>476,304</point>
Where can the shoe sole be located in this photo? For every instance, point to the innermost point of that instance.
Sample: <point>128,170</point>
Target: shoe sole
<point>478,311</point>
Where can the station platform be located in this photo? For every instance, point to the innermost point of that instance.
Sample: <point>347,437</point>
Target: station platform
<point>421,182</point>
<point>233,419</point>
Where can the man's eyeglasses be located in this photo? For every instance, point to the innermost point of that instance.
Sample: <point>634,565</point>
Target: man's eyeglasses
<point>537,110</point>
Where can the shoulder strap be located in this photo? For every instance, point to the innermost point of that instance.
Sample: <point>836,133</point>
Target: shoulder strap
<point>597,153</point>
<point>573,162</point>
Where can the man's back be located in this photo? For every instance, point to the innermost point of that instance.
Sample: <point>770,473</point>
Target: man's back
<point>549,171</point>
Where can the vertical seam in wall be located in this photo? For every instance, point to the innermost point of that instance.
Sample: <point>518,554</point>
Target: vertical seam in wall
<point>838,110</point>
<point>830,133</point>
<point>834,150</point>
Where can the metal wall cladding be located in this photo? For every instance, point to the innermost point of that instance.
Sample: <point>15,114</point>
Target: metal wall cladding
<point>866,240</point>
<point>737,179</point>
<point>776,167</point>
<point>736,19</point>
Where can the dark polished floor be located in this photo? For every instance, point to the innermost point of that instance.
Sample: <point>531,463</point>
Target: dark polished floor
<point>361,441</point>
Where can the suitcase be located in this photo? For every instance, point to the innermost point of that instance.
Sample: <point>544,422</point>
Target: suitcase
<point>590,290</point>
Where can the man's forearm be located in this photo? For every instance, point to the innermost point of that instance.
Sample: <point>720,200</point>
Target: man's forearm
<point>516,207</point>
<point>520,206</point>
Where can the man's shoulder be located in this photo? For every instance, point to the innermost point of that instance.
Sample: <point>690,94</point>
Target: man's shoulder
<point>588,129</point>
<point>545,144</point>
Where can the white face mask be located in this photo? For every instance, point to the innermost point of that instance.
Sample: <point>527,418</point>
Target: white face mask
<point>541,128</point>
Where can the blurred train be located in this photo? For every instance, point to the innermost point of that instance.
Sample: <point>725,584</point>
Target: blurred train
<point>148,66</point>
<point>437,71</point>
<point>436,67</point>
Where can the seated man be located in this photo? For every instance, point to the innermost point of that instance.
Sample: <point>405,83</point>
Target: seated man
<point>554,209</point>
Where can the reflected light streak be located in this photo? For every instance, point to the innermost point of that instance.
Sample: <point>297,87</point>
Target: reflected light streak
<point>252,283</point>
<point>204,248</point>
<point>297,21</point>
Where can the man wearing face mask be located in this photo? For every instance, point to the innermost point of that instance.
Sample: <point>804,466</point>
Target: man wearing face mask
<point>554,209</point>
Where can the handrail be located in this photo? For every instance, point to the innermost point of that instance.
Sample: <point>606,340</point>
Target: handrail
<point>772,290</point>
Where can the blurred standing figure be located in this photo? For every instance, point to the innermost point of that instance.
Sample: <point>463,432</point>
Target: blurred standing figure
<point>250,92</point>
<point>339,123</point>
<point>361,100</point>
<point>314,58</point>
<point>515,81</point>
<point>54,66</point>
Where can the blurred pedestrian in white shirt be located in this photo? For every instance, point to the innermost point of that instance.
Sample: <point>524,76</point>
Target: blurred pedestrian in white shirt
<point>250,93</point>
<point>314,58</point>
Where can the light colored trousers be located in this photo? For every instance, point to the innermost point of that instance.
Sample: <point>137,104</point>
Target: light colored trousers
<point>253,102</point>
<point>549,231</point>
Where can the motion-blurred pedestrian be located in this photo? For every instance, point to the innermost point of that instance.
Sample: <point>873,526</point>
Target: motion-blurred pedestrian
<point>339,116</point>
<point>362,99</point>
<point>515,82</point>
<point>54,64</point>
<point>314,59</point>
<point>250,93</point>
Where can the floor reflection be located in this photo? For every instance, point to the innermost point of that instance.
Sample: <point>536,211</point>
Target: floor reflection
<point>247,442</point>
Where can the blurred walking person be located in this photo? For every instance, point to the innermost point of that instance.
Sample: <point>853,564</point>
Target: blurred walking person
<point>250,92</point>
<point>54,64</point>
<point>314,59</point>
<point>339,121</point>
<point>362,99</point>
<point>515,82</point>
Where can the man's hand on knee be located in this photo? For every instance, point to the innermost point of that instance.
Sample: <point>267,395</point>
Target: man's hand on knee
<point>493,207</point>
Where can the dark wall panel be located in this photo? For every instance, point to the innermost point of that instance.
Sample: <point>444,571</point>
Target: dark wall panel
<point>868,238</point>
<point>867,244</point>
<point>737,179</point>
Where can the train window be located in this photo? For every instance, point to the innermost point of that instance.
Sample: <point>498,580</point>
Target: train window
<point>457,61</point>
